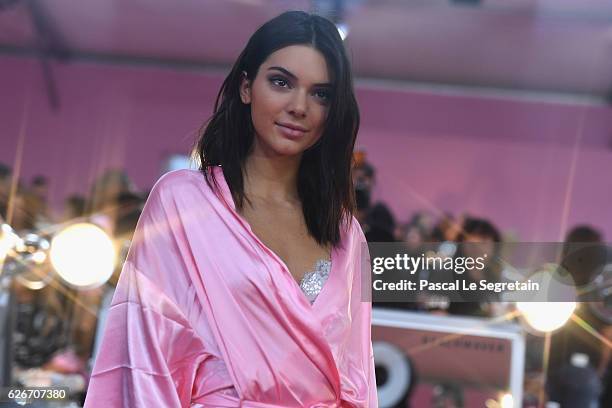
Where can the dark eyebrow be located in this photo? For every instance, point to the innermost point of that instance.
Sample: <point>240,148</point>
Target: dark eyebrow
<point>292,76</point>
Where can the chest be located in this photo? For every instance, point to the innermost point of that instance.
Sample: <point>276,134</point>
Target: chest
<point>283,230</point>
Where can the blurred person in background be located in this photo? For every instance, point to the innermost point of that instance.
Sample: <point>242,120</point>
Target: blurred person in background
<point>447,231</point>
<point>380,224</point>
<point>24,213</point>
<point>448,228</point>
<point>130,208</point>
<point>572,339</point>
<point>485,237</point>
<point>414,237</point>
<point>103,202</point>
<point>377,221</point>
<point>74,208</point>
<point>35,200</point>
<point>413,234</point>
<point>363,175</point>
<point>5,189</point>
<point>482,238</point>
<point>29,205</point>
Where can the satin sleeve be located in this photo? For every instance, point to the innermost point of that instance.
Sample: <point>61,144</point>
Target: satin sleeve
<point>149,355</point>
<point>359,364</point>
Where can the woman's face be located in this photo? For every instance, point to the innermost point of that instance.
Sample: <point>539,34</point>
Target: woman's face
<point>289,100</point>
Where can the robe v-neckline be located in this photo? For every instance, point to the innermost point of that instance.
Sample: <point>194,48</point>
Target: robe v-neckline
<point>229,200</point>
<point>314,312</point>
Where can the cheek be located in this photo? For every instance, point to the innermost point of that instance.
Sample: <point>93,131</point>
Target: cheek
<point>263,108</point>
<point>319,116</point>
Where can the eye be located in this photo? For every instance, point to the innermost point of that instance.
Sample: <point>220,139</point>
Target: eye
<point>323,95</point>
<point>279,82</point>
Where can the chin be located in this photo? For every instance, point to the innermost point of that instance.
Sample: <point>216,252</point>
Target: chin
<point>283,149</point>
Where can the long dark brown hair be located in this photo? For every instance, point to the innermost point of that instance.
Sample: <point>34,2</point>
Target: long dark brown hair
<point>325,185</point>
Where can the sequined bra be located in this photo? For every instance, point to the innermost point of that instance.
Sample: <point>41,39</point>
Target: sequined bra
<point>312,282</point>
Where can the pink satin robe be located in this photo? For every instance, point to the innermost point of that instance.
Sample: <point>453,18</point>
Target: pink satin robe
<point>206,315</point>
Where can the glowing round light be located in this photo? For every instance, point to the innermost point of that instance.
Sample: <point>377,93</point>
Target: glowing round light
<point>83,255</point>
<point>550,307</point>
<point>546,316</point>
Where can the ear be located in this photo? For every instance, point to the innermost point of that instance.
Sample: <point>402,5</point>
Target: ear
<point>245,89</point>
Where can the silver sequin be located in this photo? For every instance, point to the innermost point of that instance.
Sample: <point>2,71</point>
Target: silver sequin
<point>312,282</point>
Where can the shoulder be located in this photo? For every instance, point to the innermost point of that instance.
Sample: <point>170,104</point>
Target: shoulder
<point>177,191</point>
<point>176,196</point>
<point>178,178</point>
<point>185,189</point>
<point>175,182</point>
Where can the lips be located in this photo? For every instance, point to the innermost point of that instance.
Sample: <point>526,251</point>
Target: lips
<point>291,131</point>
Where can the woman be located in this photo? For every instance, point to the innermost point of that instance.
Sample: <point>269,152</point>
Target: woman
<point>208,310</point>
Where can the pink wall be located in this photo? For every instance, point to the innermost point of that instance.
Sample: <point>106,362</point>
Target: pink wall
<point>509,160</point>
<point>521,187</point>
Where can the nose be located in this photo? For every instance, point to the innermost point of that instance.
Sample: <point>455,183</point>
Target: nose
<point>298,105</point>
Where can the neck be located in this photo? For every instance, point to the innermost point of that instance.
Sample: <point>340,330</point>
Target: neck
<point>272,179</point>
